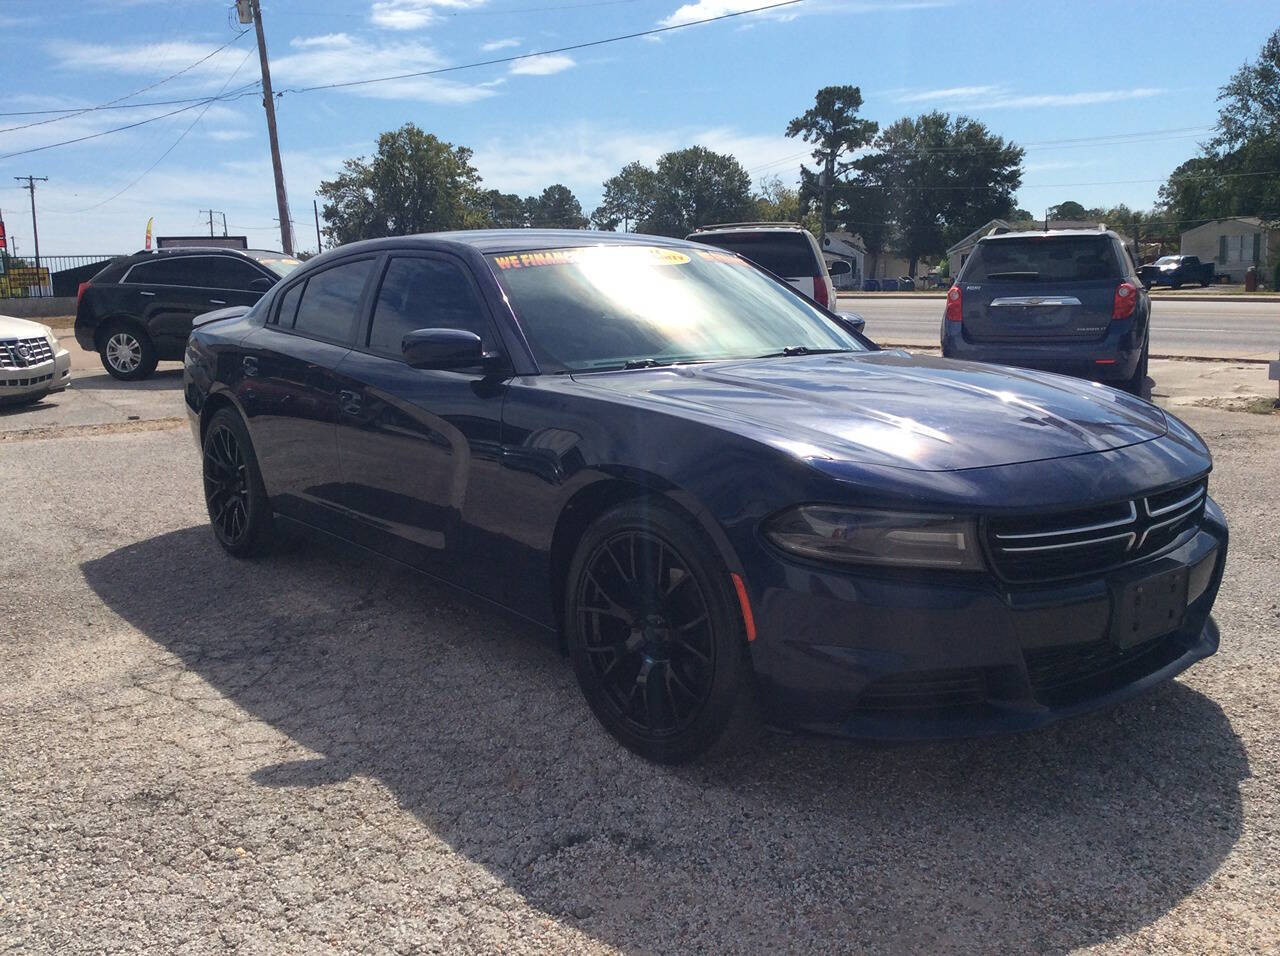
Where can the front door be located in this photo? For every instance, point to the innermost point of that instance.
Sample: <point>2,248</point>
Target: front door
<point>416,445</point>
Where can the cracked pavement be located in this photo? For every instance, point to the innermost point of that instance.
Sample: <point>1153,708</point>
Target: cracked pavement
<point>322,752</point>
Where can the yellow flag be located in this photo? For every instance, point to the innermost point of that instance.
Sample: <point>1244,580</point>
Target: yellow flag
<point>149,222</point>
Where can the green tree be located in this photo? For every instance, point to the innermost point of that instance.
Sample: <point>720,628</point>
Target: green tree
<point>940,176</point>
<point>1069,211</point>
<point>777,202</point>
<point>836,131</point>
<point>504,210</point>
<point>628,198</point>
<point>414,183</point>
<point>556,208</point>
<point>696,187</point>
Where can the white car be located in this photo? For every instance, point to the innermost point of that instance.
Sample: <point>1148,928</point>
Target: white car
<point>32,363</point>
<point>787,250</point>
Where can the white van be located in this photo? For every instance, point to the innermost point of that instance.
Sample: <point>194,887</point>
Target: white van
<point>788,251</point>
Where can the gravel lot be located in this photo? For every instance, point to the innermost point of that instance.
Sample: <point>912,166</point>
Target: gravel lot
<point>322,753</point>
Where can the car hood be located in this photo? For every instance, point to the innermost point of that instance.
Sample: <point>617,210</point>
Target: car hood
<point>12,327</point>
<point>897,409</point>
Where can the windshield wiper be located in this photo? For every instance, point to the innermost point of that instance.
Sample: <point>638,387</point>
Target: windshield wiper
<point>644,363</point>
<point>800,350</point>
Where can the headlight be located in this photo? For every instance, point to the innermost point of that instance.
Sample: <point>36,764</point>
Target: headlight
<point>895,538</point>
<point>53,339</point>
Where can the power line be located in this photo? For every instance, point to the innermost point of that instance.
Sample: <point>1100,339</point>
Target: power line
<point>117,129</point>
<point>89,109</point>
<point>173,146</point>
<point>525,56</point>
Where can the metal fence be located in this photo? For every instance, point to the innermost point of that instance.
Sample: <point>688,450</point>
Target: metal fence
<point>21,277</point>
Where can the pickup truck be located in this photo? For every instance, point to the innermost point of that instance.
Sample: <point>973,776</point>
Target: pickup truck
<point>1176,271</point>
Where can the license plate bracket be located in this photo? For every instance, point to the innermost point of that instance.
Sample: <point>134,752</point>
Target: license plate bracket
<point>1149,607</point>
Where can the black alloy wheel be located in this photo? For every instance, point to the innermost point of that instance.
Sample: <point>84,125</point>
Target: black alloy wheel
<point>233,490</point>
<point>655,638</point>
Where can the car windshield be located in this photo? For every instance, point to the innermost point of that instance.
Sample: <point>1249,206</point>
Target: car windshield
<point>282,265</point>
<point>608,307</point>
<point>1043,259</point>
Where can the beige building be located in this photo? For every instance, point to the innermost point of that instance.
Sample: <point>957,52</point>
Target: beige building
<point>1233,245</point>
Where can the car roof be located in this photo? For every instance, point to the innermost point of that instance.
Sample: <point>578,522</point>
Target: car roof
<point>204,251</point>
<point>749,227</point>
<point>1049,234</point>
<point>488,241</point>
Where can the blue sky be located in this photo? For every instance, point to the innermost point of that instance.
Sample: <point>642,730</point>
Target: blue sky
<point>1038,73</point>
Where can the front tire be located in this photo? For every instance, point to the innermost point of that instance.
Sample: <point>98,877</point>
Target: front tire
<point>656,636</point>
<point>233,490</point>
<point>127,353</point>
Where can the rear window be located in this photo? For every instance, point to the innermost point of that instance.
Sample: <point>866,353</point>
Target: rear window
<point>785,254</point>
<point>1053,259</point>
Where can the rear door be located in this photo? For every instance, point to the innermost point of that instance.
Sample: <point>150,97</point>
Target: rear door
<point>1040,287</point>
<point>167,299</point>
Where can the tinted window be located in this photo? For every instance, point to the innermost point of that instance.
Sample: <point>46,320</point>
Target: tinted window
<point>1056,258</point>
<point>225,272</point>
<point>178,270</point>
<point>425,294</point>
<point>329,304</point>
<point>596,308</point>
<point>785,254</point>
<point>289,305</point>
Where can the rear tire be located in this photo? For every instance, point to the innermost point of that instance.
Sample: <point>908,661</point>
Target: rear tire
<point>1175,285</point>
<point>656,637</point>
<point>233,490</point>
<point>1136,384</point>
<point>127,353</point>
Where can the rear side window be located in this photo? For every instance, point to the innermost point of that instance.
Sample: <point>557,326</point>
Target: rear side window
<point>289,306</point>
<point>331,299</point>
<point>179,270</point>
<point>1040,259</point>
<point>425,294</point>
<point>785,254</point>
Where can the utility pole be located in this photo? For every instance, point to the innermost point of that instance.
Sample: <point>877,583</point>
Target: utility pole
<point>269,103</point>
<point>319,245</point>
<point>212,213</point>
<point>224,224</point>
<point>35,233</point>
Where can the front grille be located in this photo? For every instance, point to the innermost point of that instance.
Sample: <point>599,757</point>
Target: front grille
<point>924,690</point>
<point>1071,672</point>
<point>1088,540</point>
<point>23,353</point>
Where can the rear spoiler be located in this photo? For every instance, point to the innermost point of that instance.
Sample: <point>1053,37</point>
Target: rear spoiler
<point>230,312</point>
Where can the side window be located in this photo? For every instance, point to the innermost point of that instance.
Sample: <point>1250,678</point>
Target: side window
<point>226,272</point>
<point>173,271</point>
<point>288,309</point>
<point>426,294</point>
<point>329,304</point>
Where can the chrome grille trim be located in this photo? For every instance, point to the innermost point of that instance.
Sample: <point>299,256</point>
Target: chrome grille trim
<point>1075,544</point>
<point>1118,523</point>
<point>1191,499</point>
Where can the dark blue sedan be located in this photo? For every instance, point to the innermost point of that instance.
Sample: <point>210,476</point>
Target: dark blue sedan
<point>712,489</point>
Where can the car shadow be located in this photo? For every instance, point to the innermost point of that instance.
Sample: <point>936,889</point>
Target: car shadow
<point>1066,837</point>
<point>163,379</point>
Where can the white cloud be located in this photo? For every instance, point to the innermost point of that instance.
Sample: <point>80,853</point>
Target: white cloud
<point>149,59</point>
<point>1000,97</point>
<point>504,44</point>
<point>337,56</point>
<point>413,14</point>
<point>228,135</point>
<point>706,9</point>
<point>543,65</point>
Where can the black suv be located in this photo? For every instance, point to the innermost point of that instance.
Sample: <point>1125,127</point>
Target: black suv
<point>1064,301</point>
<point>139,309</point>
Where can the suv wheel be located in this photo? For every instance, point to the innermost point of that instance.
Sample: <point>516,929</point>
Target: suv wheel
<point>1137,383</point>
<point>127,354</point>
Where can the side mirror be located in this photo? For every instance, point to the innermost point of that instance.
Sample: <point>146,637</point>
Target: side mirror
<point>852,321</point>
<point>839,268</point>
<point>261,284</point>
<point>443,349</point>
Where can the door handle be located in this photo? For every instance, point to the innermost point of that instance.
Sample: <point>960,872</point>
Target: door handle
<point>349,402</point>
<point>250,365</point>
<point>217,301</point>
<point>146,293</point>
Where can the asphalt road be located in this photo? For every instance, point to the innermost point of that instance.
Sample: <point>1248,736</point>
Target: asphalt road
<point>320,753</point>
<point>1181,327</point>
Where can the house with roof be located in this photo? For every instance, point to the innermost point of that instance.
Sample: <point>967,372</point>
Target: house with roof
<point>1234,245</point>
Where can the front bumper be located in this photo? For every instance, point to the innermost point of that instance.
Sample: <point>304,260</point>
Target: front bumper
<point>931,655</point>
<point>52,375</point>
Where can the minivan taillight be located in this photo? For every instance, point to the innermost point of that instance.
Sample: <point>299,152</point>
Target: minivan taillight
<point>953,304</point>
<point>80,289</point>
<point>820,291</point>
<point>1125,302</point>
